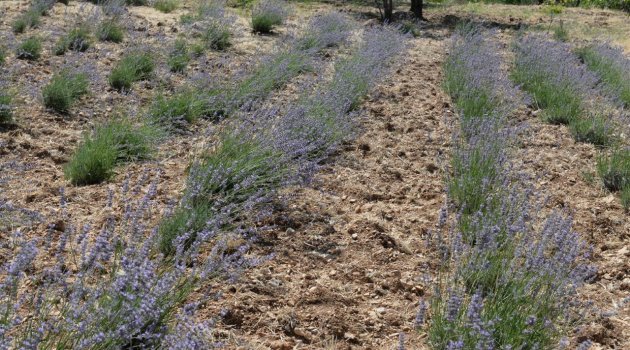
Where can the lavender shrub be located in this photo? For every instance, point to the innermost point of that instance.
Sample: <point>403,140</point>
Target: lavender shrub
<point>613,68</point>
<point>478,84</point>
<point>267,14</point>
<point>515,285</point>
<point>271,73</point>
<point>106,288</point>
<point>475,77</point>
<point>560,85</point>
<point>509,276</point>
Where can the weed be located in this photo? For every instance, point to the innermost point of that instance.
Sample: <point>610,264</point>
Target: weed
<point>132,67</point>
<point>110,144</point>
<point>64,88</point>
<point>166,6</point>
<point>30,49</point>
<point>266,15</point>
<point>110,30</point>
<point>614,169</point>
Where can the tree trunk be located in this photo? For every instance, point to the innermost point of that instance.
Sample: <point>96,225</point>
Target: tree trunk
<point>416,8</point>
<point>388,10</point>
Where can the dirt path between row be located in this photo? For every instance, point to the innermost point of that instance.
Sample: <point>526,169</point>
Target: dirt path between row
<point>350,251</point>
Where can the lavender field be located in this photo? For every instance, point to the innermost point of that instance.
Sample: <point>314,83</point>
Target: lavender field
<point>271,174</point>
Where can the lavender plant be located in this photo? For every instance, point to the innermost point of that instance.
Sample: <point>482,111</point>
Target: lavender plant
<point>594,129</point>
<point>6,110</point>
<point>515,286</point>
<point>110,30</point>
<point>475,78</point>
<point>3,55</point>
<point>614,169</point>
<point>552,73</point>
<point>267,14</point>
<point>30,19</point>
<point>328,30</point>
<point>6,104</point>
<point>484,96</point>
<point>108,292</point>
<point>276,69</point>
<point>613,68</point>
<point>509,276</point>
<point>78,39</point>
<point>180,109</point>
<point>64,88</point>
<point>179,56</point>
<point>350,83</point>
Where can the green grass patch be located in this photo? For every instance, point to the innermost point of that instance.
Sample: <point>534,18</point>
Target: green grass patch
<point>64,88</point>
<point>30,49</point>
<point>132,67</point>
<point>108,145</point>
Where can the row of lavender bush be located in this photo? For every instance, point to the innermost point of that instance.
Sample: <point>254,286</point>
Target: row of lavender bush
<point>258,154</point>
<point>509,275</point>
<point>110,286</point>
<point>613,68</point>
<point>563,88</point>
<point>272,72</point>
